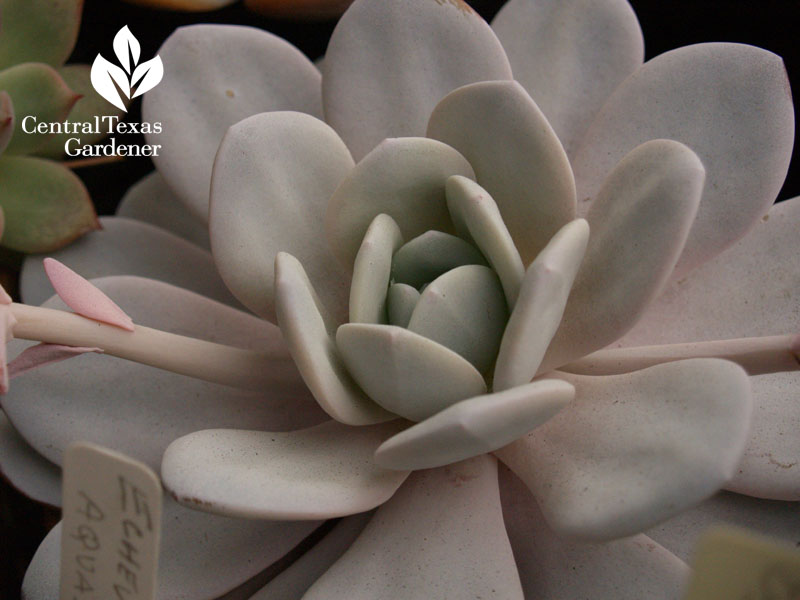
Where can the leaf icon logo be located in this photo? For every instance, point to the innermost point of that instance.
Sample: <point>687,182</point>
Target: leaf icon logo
<point>131,79</point>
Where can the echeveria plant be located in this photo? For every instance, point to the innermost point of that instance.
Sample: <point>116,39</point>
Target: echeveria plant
<point>517,313</point>
<point>46,205</point>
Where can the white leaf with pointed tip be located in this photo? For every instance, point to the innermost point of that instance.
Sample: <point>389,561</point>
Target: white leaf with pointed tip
<point>321,472</point>
<point>729,103</point>
<point>441,536</point>
<point>309,329</point>
<point>434,253</point>
<point>633,450</point>
<point>751,289</point>
<point>103,77</point>
<point>151,201</point>
<point>516,155</point>
<point>540,306</point>
<point>273,175</point>
<point>639,224</point>
<point>138,410</point>
<point>475,426</point>
<point>404,372</point>
<point>400,303</point>
<point>388,63</point>
<point>570,56</point>
<point>219,75</point>
<point>476,218</point>
<point>147,76</point>
<point>402,177</point>
<point>128,247</point>
<point>372,271</point>
<point>126,46</point>
<point>464,310</point>
<point>554,568</point>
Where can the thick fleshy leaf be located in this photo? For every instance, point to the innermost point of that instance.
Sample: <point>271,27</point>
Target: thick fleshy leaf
<point>372,271</point>
<point>201,557</point>
<point>38,92</point>
<point>554,568</point>
<point>475,426</point>
<point>729,103</point>
<point>750,289</point>
<point>540,306</point>
<point>39,31</point>
<point>405,373</point>
<point>273,175</point>
<point>404,178</point>
<point>151,201</point>
<point>83,297</point>
<point>441,536</point>
<point>43,354</point>
<point>45,205</point>
<point>770,467</point>
<point>388,64</point>
<point>6,120</point>
<point>516,156</point>
<point>476,218</point>
<point>570,56</point>
<point>771,518</point>
<point>128,247</point>
<point>26,469</point>
<point>139,410</point>
<point>639,223</point>
<point>217,76</point>
<point>400,303</point>
<point>90,105</point>
<point>633,450</point>
<point>464,310</point>
<point>320,472</point>
<point>430,255</point>
<point>292,583</point>
<point>309,331</point>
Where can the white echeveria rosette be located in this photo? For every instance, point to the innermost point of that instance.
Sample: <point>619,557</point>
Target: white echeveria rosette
<point>504,168</point>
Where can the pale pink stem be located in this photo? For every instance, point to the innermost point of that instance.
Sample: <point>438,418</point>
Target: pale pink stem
<point>200,359</point>
<point>758,355</point>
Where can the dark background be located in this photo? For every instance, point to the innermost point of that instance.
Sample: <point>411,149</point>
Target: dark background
<point>667,24</point>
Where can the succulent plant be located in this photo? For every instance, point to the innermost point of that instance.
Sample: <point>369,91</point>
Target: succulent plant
<point>534,324</point>
<point>46,205</point>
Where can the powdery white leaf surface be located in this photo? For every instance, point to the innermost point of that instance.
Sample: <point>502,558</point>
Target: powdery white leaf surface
<point>139,410</point>
<point>388,63</point>
<point>441,536</point>
<point>316,473</point>
<point>218,75</point>
<point>632,450</point>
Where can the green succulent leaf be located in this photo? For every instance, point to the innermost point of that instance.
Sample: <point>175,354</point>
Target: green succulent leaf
<point>37,90</point>
<point>6,120</point>
<point>38,30</point>
<point>46,205</point>
<point>90,105</point>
